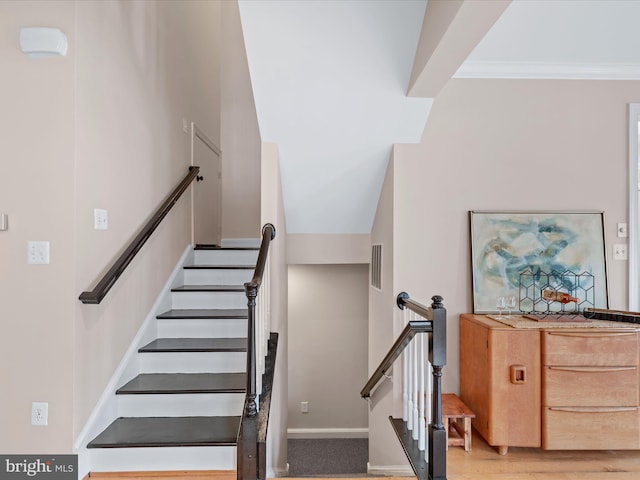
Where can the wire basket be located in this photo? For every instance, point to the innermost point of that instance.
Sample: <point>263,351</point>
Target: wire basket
<point>555,293</point>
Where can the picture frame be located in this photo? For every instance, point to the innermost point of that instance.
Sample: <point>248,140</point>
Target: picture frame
<point>505,245</point>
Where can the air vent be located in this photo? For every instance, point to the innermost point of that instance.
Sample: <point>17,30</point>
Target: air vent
<point>376,266</point>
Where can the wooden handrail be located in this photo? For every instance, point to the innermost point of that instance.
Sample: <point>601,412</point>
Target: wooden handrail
<point>251,288</point>
<point>410,330</point>
<point>250,463</point>
<point>398,347</point>
<point>103,286</point>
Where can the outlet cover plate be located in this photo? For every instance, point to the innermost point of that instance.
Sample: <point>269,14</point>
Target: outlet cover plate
<point>38,253</point>
<point>100,219</point>
<point>40,414</point>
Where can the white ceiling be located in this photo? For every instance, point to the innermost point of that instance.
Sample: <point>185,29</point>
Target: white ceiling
<point>330,80</point>
<point>590,39</point>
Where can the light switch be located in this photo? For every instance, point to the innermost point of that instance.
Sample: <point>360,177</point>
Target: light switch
<point>622,230</point>
<point>4,222</point>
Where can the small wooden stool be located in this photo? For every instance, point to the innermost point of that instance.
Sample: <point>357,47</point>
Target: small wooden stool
<point>454,411</point>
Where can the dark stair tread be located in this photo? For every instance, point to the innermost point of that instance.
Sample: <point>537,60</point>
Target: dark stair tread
<point>168,432</point>
<point>218,247</point>
<point>195,345</point>
<point>204,313</point>
<point>219,267</point>
<point>209,288</point>
<point>182,383</point>
<point>417,458</point>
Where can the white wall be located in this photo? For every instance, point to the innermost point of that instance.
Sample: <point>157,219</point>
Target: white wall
<point>100,128</point>
<point>37,192</point>
<point>328,311</point>
<point>241,147</point>
<point>272,211</point>
<point>384,449</point>
<point>506,145</point>
<point>142,67</point>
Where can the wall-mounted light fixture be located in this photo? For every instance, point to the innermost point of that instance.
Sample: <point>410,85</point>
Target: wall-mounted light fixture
<point>39,42</point>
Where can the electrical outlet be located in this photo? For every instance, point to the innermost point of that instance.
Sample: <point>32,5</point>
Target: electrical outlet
<point>40,414</point>
<point>620,251</point>
<point>100,219</point>
<point>304,407</point>
<point>38,253</point>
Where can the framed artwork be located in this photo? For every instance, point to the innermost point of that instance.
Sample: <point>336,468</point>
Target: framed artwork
<point>535,255</point>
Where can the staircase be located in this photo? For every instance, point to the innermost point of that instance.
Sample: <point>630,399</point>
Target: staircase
<point>182,411</point>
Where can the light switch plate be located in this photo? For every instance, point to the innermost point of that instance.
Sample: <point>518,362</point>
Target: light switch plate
<point>4,222</point>
<point>622,230</point>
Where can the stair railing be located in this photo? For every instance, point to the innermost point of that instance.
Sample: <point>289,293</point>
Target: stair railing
<point>251,464</point>
<point>422,345</point>
<point>107,281</point>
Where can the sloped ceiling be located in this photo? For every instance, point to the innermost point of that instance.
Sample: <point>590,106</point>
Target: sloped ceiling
<point>330,82</point>
<point>330,85</point>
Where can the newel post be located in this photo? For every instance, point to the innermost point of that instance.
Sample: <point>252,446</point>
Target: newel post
<point>248,441</point>
<point>438,359</point>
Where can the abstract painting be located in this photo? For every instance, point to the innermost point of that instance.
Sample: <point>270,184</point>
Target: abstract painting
<point>508,245</point>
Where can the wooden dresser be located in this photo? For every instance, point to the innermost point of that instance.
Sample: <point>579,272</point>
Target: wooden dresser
<point>557,387</point>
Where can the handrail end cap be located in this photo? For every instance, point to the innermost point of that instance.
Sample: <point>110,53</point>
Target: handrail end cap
<point>401,298</point>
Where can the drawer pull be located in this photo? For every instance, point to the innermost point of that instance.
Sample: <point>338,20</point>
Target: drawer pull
<point>591,334</point>
<point>518,374</point>
<point>592,369</point>
<point>592,409</point>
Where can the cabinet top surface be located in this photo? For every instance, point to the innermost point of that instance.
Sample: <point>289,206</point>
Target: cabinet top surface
<point>520,323</point>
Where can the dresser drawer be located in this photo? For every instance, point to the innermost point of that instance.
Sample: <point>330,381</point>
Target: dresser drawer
<point>614,348</point>
<point>590,428</point>
<point>590,386</point>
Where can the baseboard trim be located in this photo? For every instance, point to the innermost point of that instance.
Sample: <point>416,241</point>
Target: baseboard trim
<point>390,470</point>
<point>278,472</point>
<point>297,433</point>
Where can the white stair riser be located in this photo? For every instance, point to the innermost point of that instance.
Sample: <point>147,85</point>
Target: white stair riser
<point>198,362</point>
<point>165,459</point>
<point>226,257</point>
<point>182,300</point>
<point>217,276</point>
<point>215,328</point>
<point>181,405</point>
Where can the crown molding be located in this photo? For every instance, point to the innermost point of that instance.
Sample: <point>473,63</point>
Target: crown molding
<point>549,70</point>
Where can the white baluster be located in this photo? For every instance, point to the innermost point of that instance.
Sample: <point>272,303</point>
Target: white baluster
<point>422,425</point>
<point>416,369</point>
<point>410,386</point>
<point>405,375</point>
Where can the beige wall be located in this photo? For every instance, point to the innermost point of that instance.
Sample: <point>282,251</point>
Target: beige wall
<point>325,248</point>
<point>272,211</point>
<point>37,192</point>
<point>240,134</point>
<point>328,310</point>
<point>141,68</point>
<point>100,128</point>
<point>384,449</point>
<point>506,145</point>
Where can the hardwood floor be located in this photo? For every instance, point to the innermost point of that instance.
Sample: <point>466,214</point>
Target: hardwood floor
<point>483,463</point>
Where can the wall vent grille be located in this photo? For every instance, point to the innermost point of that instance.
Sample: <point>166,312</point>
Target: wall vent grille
<point>376,266</point>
